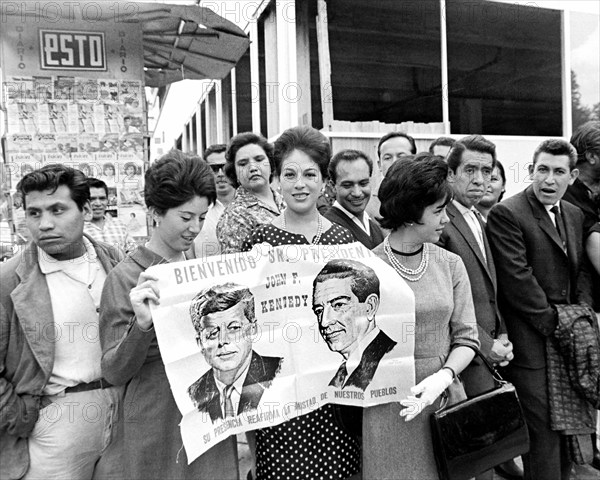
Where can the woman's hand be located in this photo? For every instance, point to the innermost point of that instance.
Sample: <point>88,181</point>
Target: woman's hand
<point>425,393</point>
<point>140,297</point>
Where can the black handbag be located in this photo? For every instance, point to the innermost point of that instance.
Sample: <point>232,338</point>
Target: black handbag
<point>477,434</point>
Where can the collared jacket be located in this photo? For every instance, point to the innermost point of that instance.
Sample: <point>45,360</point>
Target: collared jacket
<point>26,350</point>
<point>535,272</point>
<point>242,216</point>
<point>131,357</point>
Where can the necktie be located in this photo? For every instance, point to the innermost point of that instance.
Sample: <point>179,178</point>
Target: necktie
<point>479,235</point>
<point>558,223</point>
<point>340,376</point>
<point>479,216</point>
<point>229,411</point>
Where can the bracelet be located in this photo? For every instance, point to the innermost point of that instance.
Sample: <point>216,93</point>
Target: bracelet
<point>451,371</point>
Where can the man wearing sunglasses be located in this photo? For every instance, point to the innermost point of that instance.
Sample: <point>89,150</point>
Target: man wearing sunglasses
<point>225,323</point>
<point>206,243</point>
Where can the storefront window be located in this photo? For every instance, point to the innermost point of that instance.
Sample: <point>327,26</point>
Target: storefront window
<point>504,68</point>
<point>385,60</point>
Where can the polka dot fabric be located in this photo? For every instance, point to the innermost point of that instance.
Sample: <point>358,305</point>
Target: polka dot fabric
<point>311,446</point>
<point>335,235</point>
<point>308,447</point>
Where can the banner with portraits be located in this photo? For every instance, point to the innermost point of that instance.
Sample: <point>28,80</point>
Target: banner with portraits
<point>254,339</point>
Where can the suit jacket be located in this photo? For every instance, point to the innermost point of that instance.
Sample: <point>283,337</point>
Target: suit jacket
<point>205,394</point>
<point>458,238</point>
<point>363,374</point>
<point>534,272</point>
<point>580,196</point>
<point>335,215</point>
<point>26,356</point>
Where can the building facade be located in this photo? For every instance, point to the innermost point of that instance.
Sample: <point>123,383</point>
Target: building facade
<point>514,72</point>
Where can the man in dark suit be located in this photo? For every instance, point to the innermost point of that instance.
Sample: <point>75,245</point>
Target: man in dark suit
<point>350,173</point>
<point>345,301</point>
<point>585,194</point>
<point>584,191</point>
<point>224,319</point>
<point>471,162</point>
<point>536,239</point>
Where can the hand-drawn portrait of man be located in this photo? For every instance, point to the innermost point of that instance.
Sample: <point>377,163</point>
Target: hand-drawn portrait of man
<point>345,300</point>
<point>225,323</point>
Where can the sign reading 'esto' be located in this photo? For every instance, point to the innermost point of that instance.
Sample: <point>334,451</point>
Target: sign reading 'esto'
<point>71,50</point>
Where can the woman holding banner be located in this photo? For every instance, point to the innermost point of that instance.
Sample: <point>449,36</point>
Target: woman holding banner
<point>316,445</point>
<point>249,165</point>
<point>396,437</point>
<point>178,191</point>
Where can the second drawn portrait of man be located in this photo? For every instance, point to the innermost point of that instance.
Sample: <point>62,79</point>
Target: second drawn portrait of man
<point>346,297</point>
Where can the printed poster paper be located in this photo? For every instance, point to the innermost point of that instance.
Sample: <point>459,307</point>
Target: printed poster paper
<point>254,339</point>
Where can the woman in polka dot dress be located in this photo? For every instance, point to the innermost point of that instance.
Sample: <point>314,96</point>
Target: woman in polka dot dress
<point>315,445</point>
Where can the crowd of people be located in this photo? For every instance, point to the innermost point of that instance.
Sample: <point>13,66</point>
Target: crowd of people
<point>487,273</point>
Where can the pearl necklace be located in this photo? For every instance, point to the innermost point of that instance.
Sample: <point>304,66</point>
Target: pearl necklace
<point>317,238</point>
<point>410,274</point>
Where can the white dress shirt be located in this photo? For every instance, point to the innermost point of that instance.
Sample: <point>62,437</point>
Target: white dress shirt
<point>363,224</point>
<point>472,221</point>
<point>236,393</point>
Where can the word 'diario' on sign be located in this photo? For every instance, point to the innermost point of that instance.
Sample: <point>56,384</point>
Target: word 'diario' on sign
<point>71,50</point>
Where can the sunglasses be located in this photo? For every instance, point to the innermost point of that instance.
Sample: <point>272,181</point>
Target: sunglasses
<point>215,167</point>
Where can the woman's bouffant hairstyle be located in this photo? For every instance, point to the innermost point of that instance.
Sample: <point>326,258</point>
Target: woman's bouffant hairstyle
<point>411,185</point>
<point>305,139</point>
<point>176,178</point>
<point>240,141</point>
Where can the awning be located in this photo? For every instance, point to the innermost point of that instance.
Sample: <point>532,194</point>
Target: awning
<point>187,42</point>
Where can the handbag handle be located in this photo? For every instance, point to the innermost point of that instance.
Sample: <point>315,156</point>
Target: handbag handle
<point>498,380</point>
<point>495,375</point>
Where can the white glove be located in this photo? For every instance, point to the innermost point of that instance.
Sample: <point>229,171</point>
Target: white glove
<point>425,393</point>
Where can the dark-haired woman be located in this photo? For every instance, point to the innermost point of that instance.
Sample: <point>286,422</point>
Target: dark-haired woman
<point>396,437</point>
<point>249,165</point>
<point>494,192</point>
<point>178,192</point>
<point>318,444</point>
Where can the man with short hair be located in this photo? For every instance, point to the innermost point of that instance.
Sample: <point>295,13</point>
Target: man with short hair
<point>58,417</point>
<point>393,146</point>
<point>537,242</point>
<point>585,190</point>
<point>585,194</point>
<point>345,301</point>
<point>225,324</point>
<point>350,174</point>
<point>441,146</point>
<point>471,162</point>
<point>103,227</point>
<point>206,243</point>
